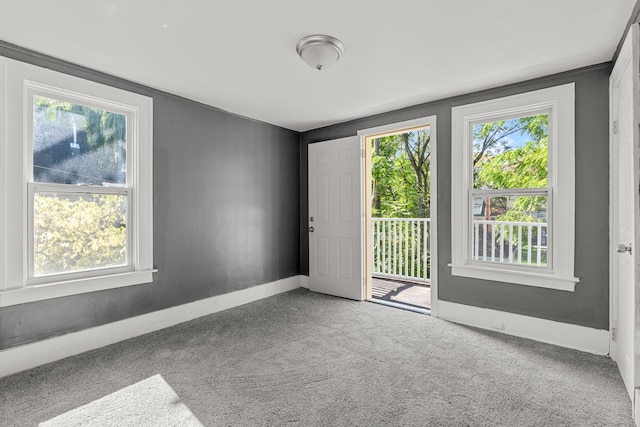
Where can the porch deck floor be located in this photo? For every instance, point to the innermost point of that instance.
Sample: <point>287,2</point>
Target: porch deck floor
<point>402,292</point>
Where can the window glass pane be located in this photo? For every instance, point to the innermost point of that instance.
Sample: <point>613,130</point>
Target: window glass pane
<point>76,232</point>
<point>77,144</point>
<point>511,153</point>
<point>510,229</point>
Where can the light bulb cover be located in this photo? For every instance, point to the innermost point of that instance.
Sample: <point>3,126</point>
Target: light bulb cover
<point>319,50</point>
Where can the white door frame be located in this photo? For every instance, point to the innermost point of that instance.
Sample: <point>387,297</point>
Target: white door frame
<point>398,127</point>
<point>628,58</point>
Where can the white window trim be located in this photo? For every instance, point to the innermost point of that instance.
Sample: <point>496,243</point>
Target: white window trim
<point>559,101</point>
<point>17,81</point>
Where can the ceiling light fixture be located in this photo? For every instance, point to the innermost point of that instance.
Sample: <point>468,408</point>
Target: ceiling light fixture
<point>319,50</point>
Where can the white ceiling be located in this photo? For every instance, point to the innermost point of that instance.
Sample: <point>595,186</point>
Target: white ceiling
<point>240,55</point>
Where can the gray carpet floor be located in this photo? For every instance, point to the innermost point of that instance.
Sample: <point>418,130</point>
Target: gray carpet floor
<point>307,359</point>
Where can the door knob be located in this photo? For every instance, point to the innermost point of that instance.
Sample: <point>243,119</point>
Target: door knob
<point>311,229</point>
<point>622,248</point>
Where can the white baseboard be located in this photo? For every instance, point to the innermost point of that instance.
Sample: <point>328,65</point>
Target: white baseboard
<point>304,281</point>
<point>636,407</point>
<point>563,334</point>
<point>29,356</point>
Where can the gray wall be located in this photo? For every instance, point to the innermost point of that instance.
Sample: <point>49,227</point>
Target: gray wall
<point>226,214</point>
<point>589,304</point>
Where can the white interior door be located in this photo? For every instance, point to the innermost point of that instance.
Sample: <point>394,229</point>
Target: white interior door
<point>335,218</point>
<point>623,211</point>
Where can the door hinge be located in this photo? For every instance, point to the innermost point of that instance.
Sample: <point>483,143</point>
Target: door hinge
<point>362,152</point>
<point>615,127</point>
<point>614,334</point>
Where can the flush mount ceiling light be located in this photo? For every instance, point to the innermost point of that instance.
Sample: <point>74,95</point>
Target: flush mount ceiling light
<point>319,50</point>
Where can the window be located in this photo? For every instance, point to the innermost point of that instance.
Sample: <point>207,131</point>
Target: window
<point>513,189</point>
<point>78,160</point>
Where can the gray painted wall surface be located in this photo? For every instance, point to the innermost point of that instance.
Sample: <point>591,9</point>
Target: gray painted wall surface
<point>226,214</point>
<point>589,304</point>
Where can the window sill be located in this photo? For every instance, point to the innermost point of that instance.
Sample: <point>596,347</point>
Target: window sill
<point>73,287</point>
<point>540,280</point>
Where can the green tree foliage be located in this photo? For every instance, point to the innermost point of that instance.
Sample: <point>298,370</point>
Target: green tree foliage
<point>401,173</point>
<point>499,166</point>
<point>77,233</point>
<point>523,167</point>
<point>401,167</point>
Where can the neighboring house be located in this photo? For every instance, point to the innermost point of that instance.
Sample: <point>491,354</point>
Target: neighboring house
<point>60,155</point>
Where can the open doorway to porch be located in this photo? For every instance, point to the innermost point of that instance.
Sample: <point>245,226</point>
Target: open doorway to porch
<point>398,181</point>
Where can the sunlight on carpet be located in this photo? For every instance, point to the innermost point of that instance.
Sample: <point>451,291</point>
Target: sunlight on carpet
<point>149,402</point>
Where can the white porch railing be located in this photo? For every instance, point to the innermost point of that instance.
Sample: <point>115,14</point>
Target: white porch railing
<point>402,249</point>
<point>510,242</point>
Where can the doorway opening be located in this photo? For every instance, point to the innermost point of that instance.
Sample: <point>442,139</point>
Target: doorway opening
<point>399,211</point>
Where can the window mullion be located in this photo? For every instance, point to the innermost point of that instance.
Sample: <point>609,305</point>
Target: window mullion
<point>512,192</point>
<point>43,187</point>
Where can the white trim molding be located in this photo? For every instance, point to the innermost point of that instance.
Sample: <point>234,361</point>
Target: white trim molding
<point>562,334</point>
<point>4,179</point>
<point>304,282</point>
<point>29,356</point>
<point>73,287</point>
<point>559,104</point>
<point>398,127</point>
<point>636,407</point>
<point>395,128</point>
<point>19,84</point>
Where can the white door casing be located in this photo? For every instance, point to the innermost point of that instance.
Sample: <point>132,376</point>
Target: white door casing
<point>392,129</point>
<point>624,211</point>
<point>335,218</point>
